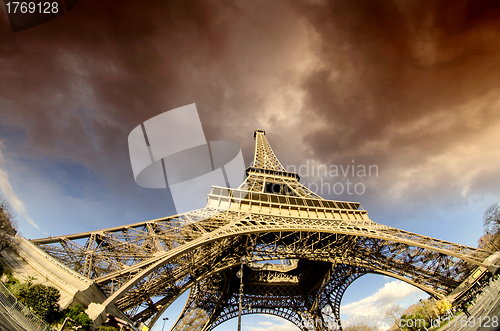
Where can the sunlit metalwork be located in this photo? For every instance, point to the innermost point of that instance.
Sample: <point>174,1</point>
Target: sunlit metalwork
<point>318,248</point>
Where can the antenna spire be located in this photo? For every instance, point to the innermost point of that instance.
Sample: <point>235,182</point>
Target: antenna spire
<point>264,156</point>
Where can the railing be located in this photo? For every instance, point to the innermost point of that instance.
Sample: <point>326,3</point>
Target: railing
<point>19,312</point>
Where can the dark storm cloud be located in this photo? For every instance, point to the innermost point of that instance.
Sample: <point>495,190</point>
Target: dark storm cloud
<point>80,83</point>
<point>111,49</point>
<point>411,86</point>
<point>386,83</point>
<point>100,53</point>
<point>389,64</point>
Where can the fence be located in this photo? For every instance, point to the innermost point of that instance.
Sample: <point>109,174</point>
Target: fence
<point>487,300</point>
<point>20,313</point>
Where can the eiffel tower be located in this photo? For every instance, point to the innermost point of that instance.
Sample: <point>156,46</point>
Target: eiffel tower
<point>296,254</point>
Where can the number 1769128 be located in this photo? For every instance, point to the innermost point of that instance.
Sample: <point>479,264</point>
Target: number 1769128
<point>32,7</point>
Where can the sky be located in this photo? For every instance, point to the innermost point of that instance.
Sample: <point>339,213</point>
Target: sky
<point>410,88</point>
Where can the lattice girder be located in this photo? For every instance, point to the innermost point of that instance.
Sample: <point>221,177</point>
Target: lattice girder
<point>142,280</point>
<point>144,267</point>
<point>303,312</point>
<point>287,237</point>
<point>264,157</point>
<point>289,302</point>
<point>363,264</point>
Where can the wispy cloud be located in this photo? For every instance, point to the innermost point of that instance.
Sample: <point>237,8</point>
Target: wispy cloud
<point>272,323</point>
<point>373,308</point>
<point>9,193</point>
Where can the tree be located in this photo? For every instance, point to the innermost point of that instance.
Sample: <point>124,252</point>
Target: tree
<point>107,328</point>
<point>418,316</point>
<point>393,316</point>
<point>78,315</point>
<point>413,322</point>
<point>20,291</point>
<point>7,227</point>
<point>442,306</point>
<point>360,327</point>
<point>492,219</point>
<point>491,239</point>
<point>489,242</point>
<point>43,300</point>
<point>427,309</point>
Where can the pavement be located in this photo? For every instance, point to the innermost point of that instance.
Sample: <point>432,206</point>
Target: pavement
<point>7,323</point>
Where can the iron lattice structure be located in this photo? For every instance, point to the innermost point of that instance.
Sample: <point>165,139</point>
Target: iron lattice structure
<point>323,246</point>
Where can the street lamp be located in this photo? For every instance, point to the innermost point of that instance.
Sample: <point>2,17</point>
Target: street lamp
<point>165,319</point>
<point>244,261</point>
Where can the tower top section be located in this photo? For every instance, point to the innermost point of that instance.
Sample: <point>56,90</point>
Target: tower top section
<point>264,157</point>
<point>258,131</point>
<point>267,174</point>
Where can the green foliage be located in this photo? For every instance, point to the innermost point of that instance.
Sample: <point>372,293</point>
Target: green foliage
<point>43,300</point>
<point>78,315</point>
<point>107,328</point>
<point>20,291</point>
<point>360,327</point>
<point>29,280</point>
<point>11,279</point>
<point>413,322</point>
